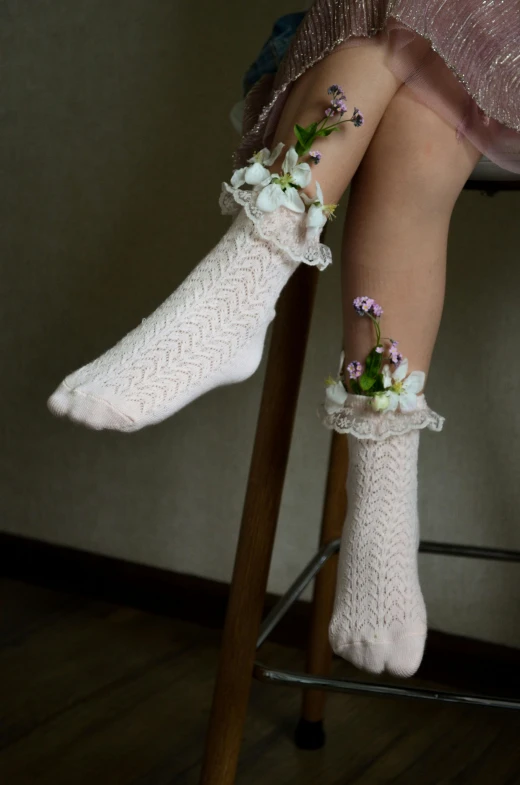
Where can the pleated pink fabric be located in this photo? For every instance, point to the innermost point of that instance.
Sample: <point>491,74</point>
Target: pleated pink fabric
<point>460,57</point>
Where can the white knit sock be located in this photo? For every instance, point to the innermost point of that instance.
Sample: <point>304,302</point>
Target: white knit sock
<point>379,619</point>
<point>209,332</point>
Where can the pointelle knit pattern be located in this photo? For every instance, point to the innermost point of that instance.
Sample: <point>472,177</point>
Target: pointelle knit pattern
<point>379,620</point>
<point>209,332</point>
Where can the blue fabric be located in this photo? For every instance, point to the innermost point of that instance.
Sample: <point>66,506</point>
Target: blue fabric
<point>273,50</point>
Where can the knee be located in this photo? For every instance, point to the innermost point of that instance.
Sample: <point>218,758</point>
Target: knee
<point>426,178</point>
<point>426,165</point>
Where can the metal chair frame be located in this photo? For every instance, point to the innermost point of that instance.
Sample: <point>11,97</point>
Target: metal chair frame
<point>293,679</point>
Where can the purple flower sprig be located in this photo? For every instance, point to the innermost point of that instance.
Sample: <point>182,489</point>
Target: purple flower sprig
<point>338,102</point>
<point>357,118</point>
<point>366,306</point>
<point>355,369</point>
<point>338,107</point>
<point>371,379</point>
<point>396,357</point>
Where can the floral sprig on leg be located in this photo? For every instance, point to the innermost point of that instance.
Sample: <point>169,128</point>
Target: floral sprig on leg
<point>383,378</point>
<point>357,118</point>
<point>338,107</point>
<point>285,189</point>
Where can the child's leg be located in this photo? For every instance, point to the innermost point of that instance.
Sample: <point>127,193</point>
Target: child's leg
<point>368,84</point>
<point>211,331</point>
<point>396,229</point>
<point>394,251</point>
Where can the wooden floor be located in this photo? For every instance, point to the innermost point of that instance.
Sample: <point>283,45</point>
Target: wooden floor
<point>93,694</point>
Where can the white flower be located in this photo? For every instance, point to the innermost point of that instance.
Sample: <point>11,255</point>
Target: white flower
<point>318,212</point>
<point>380,402</point>
<point>280,192</point>
<point>257,173</point>
<point>273,196</point>
<point>300,173</point>
<point>335,396</point>
<point>402,392</point>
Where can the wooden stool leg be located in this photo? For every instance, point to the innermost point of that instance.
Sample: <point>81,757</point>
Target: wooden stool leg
<point>309,732</point>
<point>260,515</point>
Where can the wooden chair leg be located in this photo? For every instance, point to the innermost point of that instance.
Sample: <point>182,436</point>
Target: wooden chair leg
<point>260,515</point>
<point>309,732</point>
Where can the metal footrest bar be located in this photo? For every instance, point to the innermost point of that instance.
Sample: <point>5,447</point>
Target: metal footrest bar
<point>291,595</point>
<point>426,546</point>
<point>468,551</point>
<point>292,679</point>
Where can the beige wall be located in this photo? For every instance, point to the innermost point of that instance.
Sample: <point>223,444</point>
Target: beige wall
<point>107,159</point>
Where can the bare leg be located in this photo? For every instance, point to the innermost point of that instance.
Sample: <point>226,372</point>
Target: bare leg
<point>396,230</point>
<point>368,84</point>
<point>394,251</point>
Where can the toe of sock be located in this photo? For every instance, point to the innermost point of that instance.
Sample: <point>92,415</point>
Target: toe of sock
<point>89,410</point>
<point>405,655</point>
<point>400,656</point>
<point>362,655</point>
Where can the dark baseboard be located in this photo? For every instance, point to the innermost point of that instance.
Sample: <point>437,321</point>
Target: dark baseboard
<point>453,660</point>
<point>121,582</point>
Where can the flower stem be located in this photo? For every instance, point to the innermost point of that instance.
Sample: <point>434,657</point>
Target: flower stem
<point>323,125</point>
<point>378,329</point>
<point>340,122</point>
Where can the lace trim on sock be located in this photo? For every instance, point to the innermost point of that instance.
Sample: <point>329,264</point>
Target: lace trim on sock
<point>357,418</point>
<point>301,249</point>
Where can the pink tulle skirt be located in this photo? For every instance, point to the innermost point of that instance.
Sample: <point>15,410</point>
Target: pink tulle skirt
<point>460,57</point>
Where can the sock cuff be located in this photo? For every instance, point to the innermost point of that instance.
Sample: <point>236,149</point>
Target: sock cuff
<point>282,227</point>
<point>356,417</point>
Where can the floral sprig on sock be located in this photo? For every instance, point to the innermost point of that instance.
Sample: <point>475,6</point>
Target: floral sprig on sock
<point>285,188</point>
<point>383,378</point>
<point>319,213</point>
<point>355,369</point>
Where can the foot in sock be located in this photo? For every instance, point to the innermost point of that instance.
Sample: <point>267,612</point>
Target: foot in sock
<point>379,618</point>
<point>210,332</point>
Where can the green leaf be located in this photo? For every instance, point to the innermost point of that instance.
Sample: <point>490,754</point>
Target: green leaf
<point>366,382</point>
<point>307,135</point>
<point>354,386</point>
<point>371,363</point>
<point>378,384</point>
<point>301,134</point>
<point>327,131</point>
